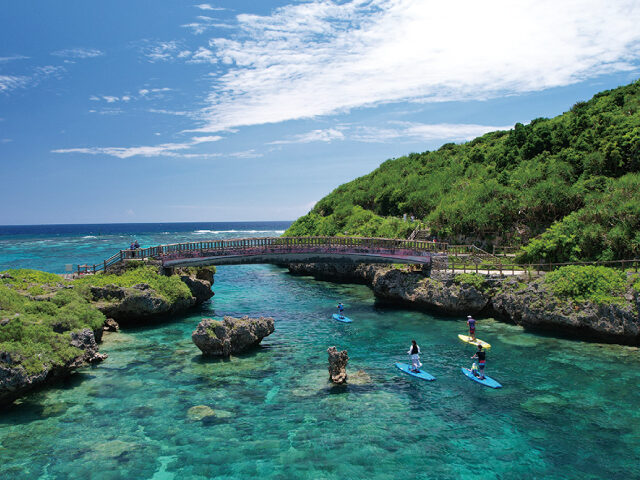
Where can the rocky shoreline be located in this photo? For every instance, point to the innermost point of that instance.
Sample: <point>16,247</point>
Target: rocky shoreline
<point>526,302</point>
<point>112,305</point>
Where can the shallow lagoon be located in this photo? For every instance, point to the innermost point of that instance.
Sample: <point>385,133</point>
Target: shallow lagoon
<point>568,409</point>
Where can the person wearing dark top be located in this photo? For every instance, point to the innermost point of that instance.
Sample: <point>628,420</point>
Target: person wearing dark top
<point>414,353</point>
<point>481,355</point>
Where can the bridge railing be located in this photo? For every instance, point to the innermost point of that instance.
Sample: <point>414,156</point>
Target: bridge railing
<point>272,244</point>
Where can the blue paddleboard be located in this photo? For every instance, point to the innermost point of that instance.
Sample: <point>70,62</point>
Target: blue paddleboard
<point>341,318</point>
<point>406,368</point>
<point>487,382</point>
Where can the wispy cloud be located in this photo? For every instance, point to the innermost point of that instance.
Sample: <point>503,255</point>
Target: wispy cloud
<point>327,56</point>
<point>12,82</point>
<point>394,131</point>
<point>162,150</point>
<point>78,52</point>
<point>9,83</point>
<point>143,93</point>
<point>160,51</point>
<point>327,135</point>
<point>208,6</point>
<point>202,24</point>
<point>12,58</point>
<point>422,132</point>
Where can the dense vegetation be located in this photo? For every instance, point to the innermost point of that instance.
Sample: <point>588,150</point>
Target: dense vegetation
<point>581,283</point>
<point>570,183</point>
<point>170,288</point>
<point>35,333</point>
<point>38,310</point>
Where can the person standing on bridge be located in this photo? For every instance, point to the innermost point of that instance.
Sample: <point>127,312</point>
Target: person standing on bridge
<point>340,309</point>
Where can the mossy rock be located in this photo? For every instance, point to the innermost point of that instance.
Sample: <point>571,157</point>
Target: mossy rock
<point>200,412</point>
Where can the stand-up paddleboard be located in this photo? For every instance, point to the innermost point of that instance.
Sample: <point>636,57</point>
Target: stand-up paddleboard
<point>467,339</point>
<point>406,368</point>
<point>487,382</point>
<point>341,318</point>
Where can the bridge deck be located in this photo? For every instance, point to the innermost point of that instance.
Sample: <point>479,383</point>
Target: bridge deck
<point>283,250</point>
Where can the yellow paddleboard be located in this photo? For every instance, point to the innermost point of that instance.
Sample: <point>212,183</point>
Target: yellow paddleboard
<point>467,339</point>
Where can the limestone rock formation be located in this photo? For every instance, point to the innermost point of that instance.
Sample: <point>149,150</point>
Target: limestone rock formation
<point>110,325</point>
<point>337,365</point>
<point>535,307</point>
<point>15,381</point>
<point>125,304</point>
<point>231,335</point>
<point>199,282</point>
<point>521,301</point>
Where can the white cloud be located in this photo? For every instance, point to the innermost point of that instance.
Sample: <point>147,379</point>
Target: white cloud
<point>326,56</point>
<point>203,55</point>
<point>12,58</point>
<point>207,6</point>
<point>172,112</point>
<point>110,99</point>
<point>327,135</point>
<point>39,74</point>
<point>162,150</point>
<point>12,82</point>
<point>423,132</point>
<point>205,23</point>
<point>160,51</point>
<point>78,53</point>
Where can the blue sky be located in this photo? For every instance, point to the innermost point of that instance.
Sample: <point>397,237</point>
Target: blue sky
<point>148,111</point>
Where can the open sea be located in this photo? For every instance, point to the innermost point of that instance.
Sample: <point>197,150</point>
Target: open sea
<point>568,409</point>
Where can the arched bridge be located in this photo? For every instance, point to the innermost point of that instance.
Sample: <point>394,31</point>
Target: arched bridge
<point>282,250</point>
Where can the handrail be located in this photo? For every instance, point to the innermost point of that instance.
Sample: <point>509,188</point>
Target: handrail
<point>361,244</point>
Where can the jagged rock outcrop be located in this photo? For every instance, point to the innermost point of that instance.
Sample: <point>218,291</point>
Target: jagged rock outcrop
<point>15,381</point>
<point>110,325</point>
<point>533,306</point>
<point>522,301</point>
<point>199,282</point>
<point>337,365</point>
<point>231,335</point>
<point>443,296</point>
<point>126,304</point>
<point>410,288</point>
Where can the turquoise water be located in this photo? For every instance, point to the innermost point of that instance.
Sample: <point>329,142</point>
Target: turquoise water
<point>568,410</point>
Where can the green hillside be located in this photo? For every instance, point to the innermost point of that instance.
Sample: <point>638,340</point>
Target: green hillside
<point>567,187</point>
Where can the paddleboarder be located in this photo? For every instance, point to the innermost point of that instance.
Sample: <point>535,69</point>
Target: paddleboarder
<point>481,355</point>
<point>414,353</point>
<point>472,327</point>
<point>341,309</point>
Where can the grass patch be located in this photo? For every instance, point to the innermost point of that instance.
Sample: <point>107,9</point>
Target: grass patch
<point>171,288</point>
<point>36,336</point>
<point>474,279</point>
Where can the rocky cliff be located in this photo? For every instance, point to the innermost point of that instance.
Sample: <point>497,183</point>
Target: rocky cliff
<point>521,301</point>
<point>15,381</point>
<point>141,302</point>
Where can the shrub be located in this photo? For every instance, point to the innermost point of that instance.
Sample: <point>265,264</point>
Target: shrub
<point>600,285</point>
<point>474,279</point>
